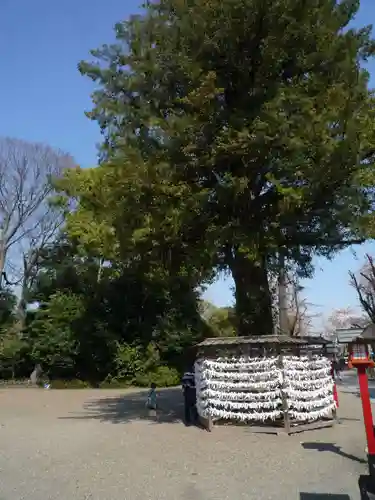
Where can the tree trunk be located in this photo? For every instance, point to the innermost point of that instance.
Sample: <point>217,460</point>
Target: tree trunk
<point>2,259</point>
<point>253,297</point>
<point>21,308</point>
<point>21,314</point>
<point>283,297</point>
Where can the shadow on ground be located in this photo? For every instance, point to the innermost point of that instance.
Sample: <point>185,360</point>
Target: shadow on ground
<point>356,392</point>
<point>348,419</point>
<point>333,448</point>
<point>349,385</point>
<point>131,406</point>
<point>323,496</point>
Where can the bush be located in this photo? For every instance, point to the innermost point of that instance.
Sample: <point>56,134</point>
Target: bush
<point>8,383</point>
<point>162,376</point>
<point>128,362</point>
<point>69,384</point>
<point>115,384</point>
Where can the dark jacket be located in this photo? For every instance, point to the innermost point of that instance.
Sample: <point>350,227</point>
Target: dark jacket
<point>188,379</point>
<point>190,396</point>
<point>188,387</point>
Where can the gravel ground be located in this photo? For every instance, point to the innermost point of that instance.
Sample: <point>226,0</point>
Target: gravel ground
<point>104,445</point>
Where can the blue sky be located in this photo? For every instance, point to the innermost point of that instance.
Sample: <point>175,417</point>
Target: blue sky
<point>43,98</point>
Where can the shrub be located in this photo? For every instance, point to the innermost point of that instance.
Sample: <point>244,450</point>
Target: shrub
<point>128,362</point>
<point>115,384</point>
<point>69,384</point>
<point>162,376</point>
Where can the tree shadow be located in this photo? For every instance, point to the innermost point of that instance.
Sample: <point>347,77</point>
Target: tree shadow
<point>353,388</point>
<point>366,487</point>
<point>131,406</point>
<point>323,496</point>
<point>333,448</point>
<point>357,393</point>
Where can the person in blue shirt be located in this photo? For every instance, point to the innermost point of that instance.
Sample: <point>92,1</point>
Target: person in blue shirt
<point>151,398</point>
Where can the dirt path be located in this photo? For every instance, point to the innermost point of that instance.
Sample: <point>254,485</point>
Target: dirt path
<point>103,445</point>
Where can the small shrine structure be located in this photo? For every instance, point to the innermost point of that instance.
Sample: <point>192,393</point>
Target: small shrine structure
<point>275,383</point>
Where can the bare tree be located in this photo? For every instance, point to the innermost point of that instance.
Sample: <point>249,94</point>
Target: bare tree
<point>291,312</point>
<point>299,317</point>
<point>27,221</point>
<point>282,292</point>
<point>364,284</point>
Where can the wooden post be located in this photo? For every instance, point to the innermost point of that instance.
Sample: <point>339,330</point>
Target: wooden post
<point>284,398</point>
<point>282,295</point>
<point>207,423</point>
<point>210,424</point>
<point>286,413</point>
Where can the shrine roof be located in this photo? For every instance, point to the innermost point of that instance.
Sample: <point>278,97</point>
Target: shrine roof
<point>285,340</point>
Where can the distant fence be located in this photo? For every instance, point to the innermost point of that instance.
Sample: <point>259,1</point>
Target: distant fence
<point>4,384</point>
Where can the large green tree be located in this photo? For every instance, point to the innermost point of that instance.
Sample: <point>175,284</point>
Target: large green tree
<point>235,131</point>
<point>94,318</point>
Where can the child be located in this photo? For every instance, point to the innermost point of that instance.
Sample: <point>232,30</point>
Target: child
<point>151,398</point>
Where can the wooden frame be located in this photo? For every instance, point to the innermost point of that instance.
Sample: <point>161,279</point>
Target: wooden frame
<point>279,345</point>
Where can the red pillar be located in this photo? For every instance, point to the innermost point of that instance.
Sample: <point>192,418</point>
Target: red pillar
<point>366,407</point>
<point>335,395</point>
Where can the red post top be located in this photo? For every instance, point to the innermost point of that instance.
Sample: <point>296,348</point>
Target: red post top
<point>359,355</point>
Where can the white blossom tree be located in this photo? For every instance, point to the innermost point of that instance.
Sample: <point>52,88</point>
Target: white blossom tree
<point>346,317</point>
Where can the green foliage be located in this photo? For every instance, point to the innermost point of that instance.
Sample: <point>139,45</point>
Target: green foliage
<point>69,384</point>
<point>162,376</point>
<point>222,322</point>
<point>12,349</point>
<point>107,324</point>
<point>128,362</point>
<point>138,367</point>
<point>234,131</point>
<point>7,306</point>
<point>52,332</point>
<point>261,142</point>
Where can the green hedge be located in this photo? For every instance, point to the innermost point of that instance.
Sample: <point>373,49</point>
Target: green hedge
<point>163,376</point>
<point>69,384</point>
